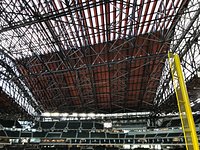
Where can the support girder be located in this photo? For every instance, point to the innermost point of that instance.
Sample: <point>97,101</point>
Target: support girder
<point>185,43</point>
<point>15,86</point>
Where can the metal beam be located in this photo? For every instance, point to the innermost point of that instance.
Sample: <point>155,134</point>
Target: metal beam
<point>22,95</point>
<point>184,41</point>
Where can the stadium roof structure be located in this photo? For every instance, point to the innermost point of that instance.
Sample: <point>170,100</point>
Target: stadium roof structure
<point>96,56</point>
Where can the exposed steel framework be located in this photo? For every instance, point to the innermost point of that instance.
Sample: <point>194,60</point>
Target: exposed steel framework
<point>185,42</point>
<point>94,56</point>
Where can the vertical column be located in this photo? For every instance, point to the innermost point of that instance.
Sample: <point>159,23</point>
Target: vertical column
<point>183,102</point>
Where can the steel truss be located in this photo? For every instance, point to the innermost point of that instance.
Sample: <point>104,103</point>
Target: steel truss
<point>12,83</point>
<point>75,57</point>
<point>185,42</point>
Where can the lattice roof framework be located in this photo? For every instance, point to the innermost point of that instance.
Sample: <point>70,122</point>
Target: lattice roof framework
<point>90,56</point>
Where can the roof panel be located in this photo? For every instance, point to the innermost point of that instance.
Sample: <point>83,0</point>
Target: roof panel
<point>111,76</point>
<point>88,56</point>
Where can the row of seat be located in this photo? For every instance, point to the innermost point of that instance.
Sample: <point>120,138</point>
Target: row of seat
<point>171,123</point>
<point>10,123</point>
<point>84,134</point>
<point>56,125</point>
<point>62,148</point>
<point>68,134</point>
<point>83,125</point>
<point>177,122</point>
<point>169,140</point>
<point>73,125</point>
